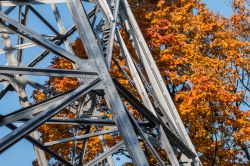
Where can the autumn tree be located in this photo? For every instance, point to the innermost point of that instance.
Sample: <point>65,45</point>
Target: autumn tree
<point>204,59</point>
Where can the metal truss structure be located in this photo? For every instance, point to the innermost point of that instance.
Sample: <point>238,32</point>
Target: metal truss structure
<point>97,23</point>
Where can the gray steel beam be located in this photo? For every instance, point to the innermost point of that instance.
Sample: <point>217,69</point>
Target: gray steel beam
<point>9,10</point>
<point>134,73</point>
<point>80,137</point>
<point>44,20</point>
<point>21,30</point>
<point>125,74</point>
<point>5,90</point>
<point>17,47</point>
<point>159,88</point>
<point>144,84</point>
<point>104,155</point>
<point>119,114</point>
<point>155,78</point>
<point>20,89</point>
<point>84,121</point>
<point>63,39</point>
<point>12,70</point>
<point>145,98</point>
<point>136,103</point>
<point>33,2</point>
<point>29,2</point>
<point>152,118</point>
<point>39,145</point>
<point>111,16</point>
<point>147,59</point>
<point>30,110</point>
<point>146,140</point>
<point>38,86</point>
<point>17,134</point>
<point>61,27</point>
<point>12,80</point>
<point>168,147</point>
<point>41,56</point>
<point>112,33</point>
<point>102,139</point>
<point>23,19</point>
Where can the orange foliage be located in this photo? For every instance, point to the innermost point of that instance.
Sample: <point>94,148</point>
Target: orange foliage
<point>202,58</point>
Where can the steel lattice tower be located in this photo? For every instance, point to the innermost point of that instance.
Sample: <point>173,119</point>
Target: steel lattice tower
<point>97,23</point>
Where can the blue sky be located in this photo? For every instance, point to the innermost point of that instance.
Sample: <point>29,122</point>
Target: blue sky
<point>21,154</point>
<point>220,6</point>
